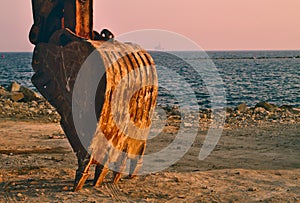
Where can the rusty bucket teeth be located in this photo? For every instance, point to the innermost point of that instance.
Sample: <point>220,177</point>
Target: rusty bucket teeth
<point>82,178</point>
<point>82,174</point>
<point>100,173</point>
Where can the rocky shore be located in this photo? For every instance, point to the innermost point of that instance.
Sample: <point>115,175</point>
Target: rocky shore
<point>18,102</point>
<point>262,114</point>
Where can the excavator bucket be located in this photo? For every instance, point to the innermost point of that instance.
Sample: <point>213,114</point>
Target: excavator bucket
<point>118,89</point>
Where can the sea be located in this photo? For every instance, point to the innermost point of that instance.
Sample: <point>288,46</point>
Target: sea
<point>200,78</point>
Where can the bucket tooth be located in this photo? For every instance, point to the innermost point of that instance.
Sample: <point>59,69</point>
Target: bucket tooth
<point>120,167</point>
<point>82,173</point>
<point>82,177</point>
<point>101,173</point>
<point>135,166</point>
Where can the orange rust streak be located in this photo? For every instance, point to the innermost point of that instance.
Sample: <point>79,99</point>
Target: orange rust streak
<point>84,18</point>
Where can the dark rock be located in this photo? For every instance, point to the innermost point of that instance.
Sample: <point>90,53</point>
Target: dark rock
<point>29,95</point>
<point>242,108</point>
<point>229,110</point>
<point>14,96</point>
<point>14,87</point>
<point>267,106</point>
<point>252,189</point>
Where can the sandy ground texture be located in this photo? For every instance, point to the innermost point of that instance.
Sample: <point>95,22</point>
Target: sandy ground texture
<point>249,164</point>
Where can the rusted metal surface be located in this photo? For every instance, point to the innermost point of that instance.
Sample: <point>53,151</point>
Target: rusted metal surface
<point>47,17</point>
<point>84,18</point>
<point>52,15</point>
<point>122,128</point>
<point>70,14</point>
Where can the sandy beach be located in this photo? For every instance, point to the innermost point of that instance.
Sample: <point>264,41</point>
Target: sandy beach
<point>249,164</point>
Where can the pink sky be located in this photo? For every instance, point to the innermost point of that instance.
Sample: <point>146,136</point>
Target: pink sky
<point>213,24</point>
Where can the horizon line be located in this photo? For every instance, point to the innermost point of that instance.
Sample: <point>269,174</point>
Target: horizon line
<point>208,50</point>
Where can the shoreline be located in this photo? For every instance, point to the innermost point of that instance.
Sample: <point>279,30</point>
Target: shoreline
<point>263,113</point>
<point>20,103</point>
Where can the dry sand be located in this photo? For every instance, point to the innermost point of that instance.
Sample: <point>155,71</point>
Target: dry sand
<point>249,164</point>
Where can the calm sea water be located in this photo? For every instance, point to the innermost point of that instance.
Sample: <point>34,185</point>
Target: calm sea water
<point>247,76</point>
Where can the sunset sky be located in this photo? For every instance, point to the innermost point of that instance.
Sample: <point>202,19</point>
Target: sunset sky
<point>213,24</point>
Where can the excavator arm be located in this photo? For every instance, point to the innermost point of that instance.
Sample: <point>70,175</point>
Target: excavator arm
<point>64,38</point>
